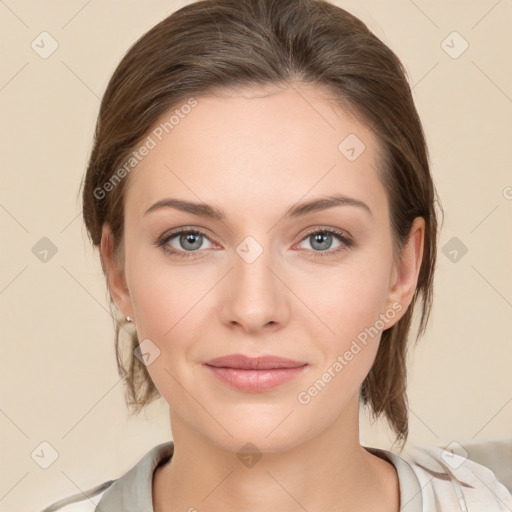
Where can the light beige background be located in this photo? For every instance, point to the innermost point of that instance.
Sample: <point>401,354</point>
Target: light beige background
<point>58,376</point>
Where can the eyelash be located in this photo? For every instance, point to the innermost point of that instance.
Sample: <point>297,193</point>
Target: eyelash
<point>346,242</point>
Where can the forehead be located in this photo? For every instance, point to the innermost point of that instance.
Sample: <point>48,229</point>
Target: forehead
<point>258,145</point>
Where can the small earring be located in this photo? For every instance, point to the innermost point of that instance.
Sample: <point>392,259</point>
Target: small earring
<point>128,318</point>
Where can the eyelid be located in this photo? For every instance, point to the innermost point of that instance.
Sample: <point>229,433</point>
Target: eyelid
<point>326,229</point>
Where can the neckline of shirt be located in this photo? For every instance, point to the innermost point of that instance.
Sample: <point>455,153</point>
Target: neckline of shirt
<point>133,490</point>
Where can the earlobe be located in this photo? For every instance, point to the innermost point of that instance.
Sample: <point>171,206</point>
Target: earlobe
<point>115,273</point>
<point>406,270</point>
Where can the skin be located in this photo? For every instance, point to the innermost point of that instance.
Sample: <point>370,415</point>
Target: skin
<point>254,153</point>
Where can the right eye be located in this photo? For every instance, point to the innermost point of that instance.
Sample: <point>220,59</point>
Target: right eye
<point>190,240</point>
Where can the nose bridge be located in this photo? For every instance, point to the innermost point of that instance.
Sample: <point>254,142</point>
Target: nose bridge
<point>255,295</point>
<point>252,262</point>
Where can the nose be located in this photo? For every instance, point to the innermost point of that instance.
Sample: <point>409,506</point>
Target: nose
<point>254,296</point>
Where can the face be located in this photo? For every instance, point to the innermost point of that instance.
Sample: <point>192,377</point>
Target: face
<point>264,276</point>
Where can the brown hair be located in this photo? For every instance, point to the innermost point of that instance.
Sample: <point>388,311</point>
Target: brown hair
<point>211,44</point>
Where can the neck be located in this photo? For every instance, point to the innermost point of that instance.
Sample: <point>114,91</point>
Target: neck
<point>331,471</point>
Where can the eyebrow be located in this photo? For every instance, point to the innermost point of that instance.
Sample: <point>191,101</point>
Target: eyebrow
<point>294,211</point>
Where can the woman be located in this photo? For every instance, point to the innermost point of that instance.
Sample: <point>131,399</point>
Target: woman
<point>260,193</point>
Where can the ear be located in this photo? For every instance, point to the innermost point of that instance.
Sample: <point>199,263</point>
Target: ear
<point>115,273</point>
<point>406,270</point>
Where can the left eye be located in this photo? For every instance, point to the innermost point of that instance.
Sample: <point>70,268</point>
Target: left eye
<point>321,241</point>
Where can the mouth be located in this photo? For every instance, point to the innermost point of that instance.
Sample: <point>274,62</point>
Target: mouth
<point>254,374</point>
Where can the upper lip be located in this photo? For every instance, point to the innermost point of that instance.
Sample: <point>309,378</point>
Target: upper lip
<point>244,362</point>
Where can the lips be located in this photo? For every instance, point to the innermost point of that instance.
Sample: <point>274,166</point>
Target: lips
<point>254,374</point>
<point>253,363</point>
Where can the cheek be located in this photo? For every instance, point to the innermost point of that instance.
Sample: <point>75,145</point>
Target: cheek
<point>348,349</point>
<point>169,307</point>
<point>351,308</point>
<point>165,323</point>
<point>350,303</point>
<point>166,299</point>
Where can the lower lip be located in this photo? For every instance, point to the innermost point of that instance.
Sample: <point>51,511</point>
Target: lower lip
<point>255,381</point>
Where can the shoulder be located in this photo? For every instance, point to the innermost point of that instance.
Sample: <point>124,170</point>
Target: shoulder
<point>134,487</point>
<point>82,502</point>
<point>455,481</point>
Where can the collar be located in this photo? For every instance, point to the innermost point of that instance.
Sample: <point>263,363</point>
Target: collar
<point>410,489</point>
<point>132,492</point>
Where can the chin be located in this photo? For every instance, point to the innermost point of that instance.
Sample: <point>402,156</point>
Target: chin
<point>260,428</point>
